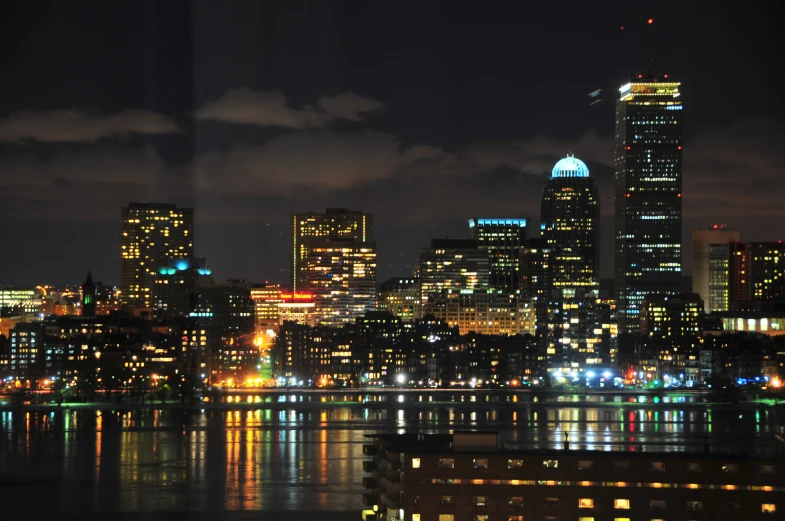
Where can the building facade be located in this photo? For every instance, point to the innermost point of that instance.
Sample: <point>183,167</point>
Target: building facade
<point>401,298</point>
<point>342,278</point>
<point>502,239</point>
<point>452,264</point>
<point>335,223</point>
<point>483,311</point>
<point>470,476</point>
<point>151,235</point>
<point>648,194</point>
<point>707,264</point>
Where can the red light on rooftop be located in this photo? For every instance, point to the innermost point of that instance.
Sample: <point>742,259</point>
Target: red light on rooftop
<point>622,27</point>
<point>666,75</point>
<point>640,76</point>
<point>679,147</point>
<point>679,195</point>
<point>627,195</point>
<point>651,21</point>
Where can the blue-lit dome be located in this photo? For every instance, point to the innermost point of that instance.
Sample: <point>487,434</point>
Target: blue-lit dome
<point>570,166</point>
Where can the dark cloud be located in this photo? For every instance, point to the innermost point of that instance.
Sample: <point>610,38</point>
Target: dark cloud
<point>272,109</point>
<point>78,126</point>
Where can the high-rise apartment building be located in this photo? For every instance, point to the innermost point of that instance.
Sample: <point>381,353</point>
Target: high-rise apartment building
<point>648,194</point>
<point>452,264</point>
<point>707,264</point>
<point>570,222</point>
<point>756,271</point>
<point>342,277</point>
<point>152,235</point>
<point>503,240</point>
<point>309,228</point>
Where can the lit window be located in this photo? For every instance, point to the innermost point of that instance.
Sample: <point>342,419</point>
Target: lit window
<point>481,517</point>
<point>621,519</point>
<point>585,465</point>
<point>446,463</point>
<point>514,463</point>
<point>621,504</point>
<point>481,463</point>
<point>515,501</point>
<point>730,468</point>
<point>768,508</point>
<point>480,501</point>
<point>585,503</point>
<point>551,463</point>
<point>415,463</point>
<point>447,500</point>
<point>658,466</point>
<point>415,517</point>
<point>591,518</point>
<point>446,517</point>
<point>514,518</point>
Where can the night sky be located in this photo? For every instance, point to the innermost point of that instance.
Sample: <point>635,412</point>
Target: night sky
<point>424,113</point>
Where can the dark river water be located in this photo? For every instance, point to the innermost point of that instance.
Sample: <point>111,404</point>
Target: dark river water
<point>294,460</point>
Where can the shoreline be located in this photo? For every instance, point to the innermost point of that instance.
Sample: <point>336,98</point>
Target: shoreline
<point>204,406</point>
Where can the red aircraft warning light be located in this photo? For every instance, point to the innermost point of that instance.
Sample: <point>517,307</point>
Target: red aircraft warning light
<point>651,21</point>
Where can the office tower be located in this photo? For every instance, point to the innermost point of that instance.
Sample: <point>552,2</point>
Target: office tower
<point>342,277</point>
<point>452,265</point>
<point>570,222</point>
<point>266,299</point>
<point>703,242</point>
<point>26,362</point>
<point>401,298</point>
<point>648,202</point>
<point>152,234</point>
<point>89,295</point>
<point>719,265</point>
<point>310,227</point>
<point>176,284</point>
<point>503,240</point>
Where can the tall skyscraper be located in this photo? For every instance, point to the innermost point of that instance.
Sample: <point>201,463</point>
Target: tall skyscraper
<point>503,240</point>
<point>703,242</point>
<point>152,235</point>
<point>570,222</point>
<point>342,277</point>
<point>648,194</point>
<point>335,223</point>
<point>452,265</point>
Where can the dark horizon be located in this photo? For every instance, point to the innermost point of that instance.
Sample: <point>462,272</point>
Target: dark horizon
<point>424,115</point>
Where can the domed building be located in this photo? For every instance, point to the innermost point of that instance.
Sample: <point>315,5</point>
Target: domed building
<point>570,223</point>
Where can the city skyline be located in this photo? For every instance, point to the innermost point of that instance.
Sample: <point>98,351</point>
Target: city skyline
<point>383,132</point>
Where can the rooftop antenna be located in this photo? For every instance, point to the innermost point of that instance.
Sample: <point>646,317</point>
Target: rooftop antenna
<point>651,34</point>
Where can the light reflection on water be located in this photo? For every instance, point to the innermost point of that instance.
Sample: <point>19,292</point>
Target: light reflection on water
<point>283,457</point>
